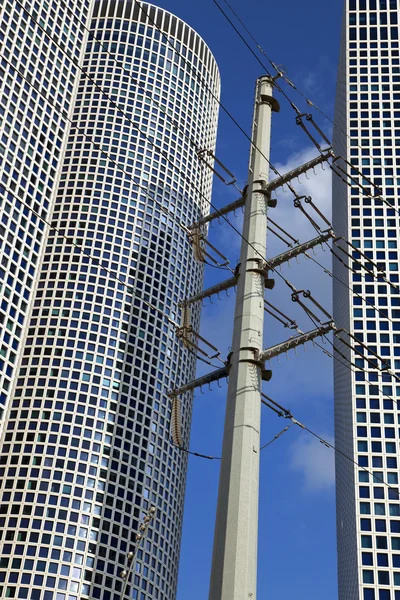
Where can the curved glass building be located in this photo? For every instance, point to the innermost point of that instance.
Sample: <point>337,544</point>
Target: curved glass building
<point>37,82</point>
<point>85,449</point>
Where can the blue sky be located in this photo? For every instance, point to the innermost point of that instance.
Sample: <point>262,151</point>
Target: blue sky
<point>297,547</point>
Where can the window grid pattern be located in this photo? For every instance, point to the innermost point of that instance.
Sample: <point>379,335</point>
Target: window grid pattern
<point>366,419</point>
<point>86,446</point>
<point>36,88</point>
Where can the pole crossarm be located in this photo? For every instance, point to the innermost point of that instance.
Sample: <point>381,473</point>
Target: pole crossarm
<point>211,291</point>
<point>204,380</point>
<point>280,181</point>
<point>296,341</point>
<point>300,249</point>
<point>219,213</point>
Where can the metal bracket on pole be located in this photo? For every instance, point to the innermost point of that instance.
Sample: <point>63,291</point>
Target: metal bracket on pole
<point>296,341</point>
<point>280,181</point>
<point>211,154</point>
<point>191,338</point>
<point>220,374</point>
<point>200,381</point>
<point>260,269</point>
<point>200,243</point>
<point>211,291</point>
<point>301,249</point>
<point>222,211</point>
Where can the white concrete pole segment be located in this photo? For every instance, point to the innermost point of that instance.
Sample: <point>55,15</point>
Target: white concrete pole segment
<point>234,565</point>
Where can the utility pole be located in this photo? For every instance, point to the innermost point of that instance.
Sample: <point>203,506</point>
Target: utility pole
<point>234,565</point>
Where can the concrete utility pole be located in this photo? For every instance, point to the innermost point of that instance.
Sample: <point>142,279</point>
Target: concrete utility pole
<point>234,567</point>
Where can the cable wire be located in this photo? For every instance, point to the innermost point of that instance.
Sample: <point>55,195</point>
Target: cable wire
<point>197,454</point>
<point>333,447</point>
<point>278,435</point>
<point>348,364</point>
<point>156,148</point>
<point>98,263</point>
<point>163,154</point>
<point>297,111</point>
<point>118,165</point>
<point>285,77</point>
<point>179,171</point>
<point>206,87</point>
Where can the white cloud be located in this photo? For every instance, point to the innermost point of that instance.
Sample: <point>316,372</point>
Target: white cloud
<point>314,461</point>
<point>309,374</point>
<point>316,184</point>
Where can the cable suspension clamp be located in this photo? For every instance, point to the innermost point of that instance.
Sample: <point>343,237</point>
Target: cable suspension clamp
<point>209,154</point>
<point>202,247</point>
<point>191,338</point>
<point>309,118</point>
<point>279,315</point>
<point>307,295</point>
<point>297,204</point>
<point>282,412</point>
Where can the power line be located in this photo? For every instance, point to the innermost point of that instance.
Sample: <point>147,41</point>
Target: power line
<point>335,349</point>
<point>278,435</point>
<point>256,57</point>
<point>110,272</point>
<point>86,253</point>
<point>120,168</point>
<point>299,119</point>
<point>206,87</point>
<point>328,272</point>
<point>121,65</point>
<point>98,263</point>
<point>285,77</point>
<point>115,105</point>
<point>351,366</point>
<point>118,165</point>
<point>162,153</point>
<point>328,445</point>
<point>349,268</point>
<point>180,172</point>
<point>197,454</point>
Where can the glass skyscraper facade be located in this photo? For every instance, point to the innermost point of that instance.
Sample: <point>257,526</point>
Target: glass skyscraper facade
<point>367,415</point>
<point>85,449</point>
<point>37,82</point>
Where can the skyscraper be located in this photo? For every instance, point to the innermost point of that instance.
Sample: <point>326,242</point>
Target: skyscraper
<point>367,134</point>
<point>86,449</point>
<point>37,82</point>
